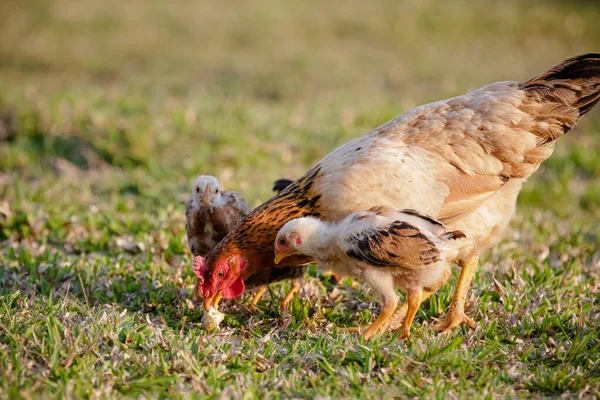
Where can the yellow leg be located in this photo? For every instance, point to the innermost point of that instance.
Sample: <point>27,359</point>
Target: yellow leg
<point>400,314</point>
<point>386,313</point>
<point>415,298</point>
<point>257,296</point>
<point>456,315</point>
<point>337,277</point>
<point>296,285</point>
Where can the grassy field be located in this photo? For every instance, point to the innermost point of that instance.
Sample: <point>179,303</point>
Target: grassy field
<point>108,110</point>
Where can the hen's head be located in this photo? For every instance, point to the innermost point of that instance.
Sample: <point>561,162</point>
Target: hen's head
<point>296,237</point>
<point>207,190</point>
<point>225,278</point>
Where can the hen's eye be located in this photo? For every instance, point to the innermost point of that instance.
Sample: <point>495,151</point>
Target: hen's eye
<point>220,274</point>
<point>281,241</point>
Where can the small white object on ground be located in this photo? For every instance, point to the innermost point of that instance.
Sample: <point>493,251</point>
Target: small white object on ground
<point>212,319</point>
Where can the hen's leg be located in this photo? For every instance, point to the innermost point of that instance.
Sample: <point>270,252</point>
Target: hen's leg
<point>296,285</point>
<point>456,315</point>
<point>257,296</point>
<point>414,300</point>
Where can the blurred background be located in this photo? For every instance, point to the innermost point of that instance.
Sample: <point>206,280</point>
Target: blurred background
<point>102,102</point>
<point>110,109</point>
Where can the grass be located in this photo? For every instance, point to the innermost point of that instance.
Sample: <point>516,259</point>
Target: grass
<point>108,110</point>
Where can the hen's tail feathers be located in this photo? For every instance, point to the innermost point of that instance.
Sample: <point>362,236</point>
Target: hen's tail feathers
<point>454,235</point>
<point>565,93</point>
<point>281,184</point>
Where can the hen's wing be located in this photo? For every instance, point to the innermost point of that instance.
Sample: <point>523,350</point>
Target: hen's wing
<point>396,244</point>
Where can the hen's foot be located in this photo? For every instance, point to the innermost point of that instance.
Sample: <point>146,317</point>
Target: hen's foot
<point>295,288</point>
<point>256,298</point>
<point>452,321</point>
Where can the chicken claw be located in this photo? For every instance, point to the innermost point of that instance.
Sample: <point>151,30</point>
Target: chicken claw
<point>456,315</point>
<point>447,325</point>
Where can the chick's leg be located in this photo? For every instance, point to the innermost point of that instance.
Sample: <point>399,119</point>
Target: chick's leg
<point>389,306</point>
<point>401,312</point>
<point>296,285</point>
<point>415,298</point>
<point>456,315</point>
<point>337,277</point>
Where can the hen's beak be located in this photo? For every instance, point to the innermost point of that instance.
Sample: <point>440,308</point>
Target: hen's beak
<point>212,301</point>
<point>207,303</point>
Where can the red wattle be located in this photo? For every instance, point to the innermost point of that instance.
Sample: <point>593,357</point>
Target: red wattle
<point>235,290</point>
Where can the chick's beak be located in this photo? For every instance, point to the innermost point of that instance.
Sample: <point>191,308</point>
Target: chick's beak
<point>206,194</point>
<point>278,258</point>
<point>281,254</point>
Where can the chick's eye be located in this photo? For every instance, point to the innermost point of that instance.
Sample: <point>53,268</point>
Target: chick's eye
<point>216,191</point>
<point>197,190</point>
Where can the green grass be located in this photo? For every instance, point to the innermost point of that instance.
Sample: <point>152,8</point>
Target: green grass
<point>108,110</point>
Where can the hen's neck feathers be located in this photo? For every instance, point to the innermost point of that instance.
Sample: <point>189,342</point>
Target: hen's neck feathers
<point>255,235</point>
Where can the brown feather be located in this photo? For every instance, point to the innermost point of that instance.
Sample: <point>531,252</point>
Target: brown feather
<point>255,235</point>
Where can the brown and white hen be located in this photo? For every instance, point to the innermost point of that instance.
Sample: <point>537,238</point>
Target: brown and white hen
<point>462,160</point>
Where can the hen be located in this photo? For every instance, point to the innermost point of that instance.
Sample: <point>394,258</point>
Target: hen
<point>462,161</point>
<point>210,214</point>
<point>386,248</point>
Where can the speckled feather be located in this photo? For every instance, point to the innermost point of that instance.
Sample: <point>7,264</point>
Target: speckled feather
<point>206,225</point>
<point>254,236</point>
<point>396,242</point>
